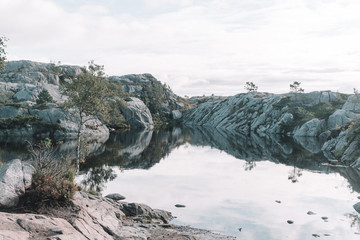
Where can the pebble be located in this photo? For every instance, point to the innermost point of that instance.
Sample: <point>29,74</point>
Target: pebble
<point>290,221</point>
<point>310,213</point>
<point>277,201</point>
<point>316,235</point>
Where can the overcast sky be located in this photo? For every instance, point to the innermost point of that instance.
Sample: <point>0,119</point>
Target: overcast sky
<point>196,46</point>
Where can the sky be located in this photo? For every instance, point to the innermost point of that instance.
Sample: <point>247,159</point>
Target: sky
<point>195,46</point>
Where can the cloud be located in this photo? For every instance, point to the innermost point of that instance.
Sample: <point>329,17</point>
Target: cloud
<point>195,46</point>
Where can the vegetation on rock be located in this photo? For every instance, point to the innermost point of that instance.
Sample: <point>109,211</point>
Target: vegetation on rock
<point>251,87</point>
<point>2,52</point>
<point>53,179</point>
<point>44,97</point>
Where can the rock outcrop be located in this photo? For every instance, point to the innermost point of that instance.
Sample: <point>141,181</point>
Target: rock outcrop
<point>15,178</point>
<point>325,115</point>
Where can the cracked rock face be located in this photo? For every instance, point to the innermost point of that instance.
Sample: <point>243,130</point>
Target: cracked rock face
<point>15,177</point>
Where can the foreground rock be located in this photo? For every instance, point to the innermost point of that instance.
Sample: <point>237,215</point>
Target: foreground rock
<point>96,217</point>
<point>15,177</point>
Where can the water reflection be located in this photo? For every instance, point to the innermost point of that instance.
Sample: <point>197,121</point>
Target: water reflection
<point>227,181</point>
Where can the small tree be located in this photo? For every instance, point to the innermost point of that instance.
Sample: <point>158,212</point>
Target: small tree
<point>87,93</point>
<point>2,52</point>
<point>295,87</point>
<point>251,87</point>
<point>44,97</point>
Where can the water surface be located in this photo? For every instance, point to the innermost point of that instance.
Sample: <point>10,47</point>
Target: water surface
<point>229,181</point>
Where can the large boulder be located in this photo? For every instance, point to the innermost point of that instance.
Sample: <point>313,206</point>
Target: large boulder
<point>352,104</point>
<point>137,114</point>
<point>15,177</point>
<point>312,128</point>
<point>340,118</point>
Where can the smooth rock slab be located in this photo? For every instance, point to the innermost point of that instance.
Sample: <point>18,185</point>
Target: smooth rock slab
<point>15,177</point>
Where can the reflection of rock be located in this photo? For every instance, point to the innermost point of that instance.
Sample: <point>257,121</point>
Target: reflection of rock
<point>312,144</point>
<point>137,114</point>
<point>135,143</point>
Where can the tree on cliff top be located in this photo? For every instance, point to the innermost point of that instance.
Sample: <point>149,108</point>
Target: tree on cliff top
<point>295,87</point>
<point>2,52</point>
<point>251,87</point>
<point>87,93</point>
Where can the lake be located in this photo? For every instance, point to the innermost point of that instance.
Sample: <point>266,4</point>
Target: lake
<point>251,187</point>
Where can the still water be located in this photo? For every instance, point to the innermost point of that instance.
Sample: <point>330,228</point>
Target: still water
<point>227,181</point>
<point>230,182</point>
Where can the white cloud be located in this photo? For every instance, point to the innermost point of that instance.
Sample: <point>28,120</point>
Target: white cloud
<point>196,46</point>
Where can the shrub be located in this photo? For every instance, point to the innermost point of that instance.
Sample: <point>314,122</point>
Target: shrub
<point>44,97</point>
<point>53,179</point>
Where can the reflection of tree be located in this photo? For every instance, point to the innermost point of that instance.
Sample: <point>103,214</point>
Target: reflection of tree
<point>354,220</point>
<point>96,177</point>
<point>249,165</point>
<point>294,174</point>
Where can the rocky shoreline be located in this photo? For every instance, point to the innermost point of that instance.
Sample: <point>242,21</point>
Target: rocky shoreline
<point>95,217</point>
<point>86,217</point>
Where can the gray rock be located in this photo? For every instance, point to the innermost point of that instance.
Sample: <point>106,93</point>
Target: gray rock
<point>176,114</point>
<point>352,104</point>
<point>15,177</point>
<point>31,226</point>
<point>356,163</point>
<point>138,209</point>
<point>137,114</point>
<point>115,196</point>
<point>312,128</point>
<point>11,111</point>
<point>340,118</point>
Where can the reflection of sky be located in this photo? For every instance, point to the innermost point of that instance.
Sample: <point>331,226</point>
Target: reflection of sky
<point>220,195</point>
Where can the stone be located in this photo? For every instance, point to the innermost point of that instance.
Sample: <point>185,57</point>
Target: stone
<point>11,111</point>
<point>176,114</point>
<point>310,213</point>
<point>352,103</point>
<point>137,114</point>
<point>115,196</point>
<point>290,221</point>
<point>312,128</point>
<point>340,118</point>
<point>138,209</point>
<point>15,177</point>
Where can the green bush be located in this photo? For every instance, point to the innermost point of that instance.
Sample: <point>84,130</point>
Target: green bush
<point>44,97</point>
<point>53,179</point>
<point>18,121</point>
